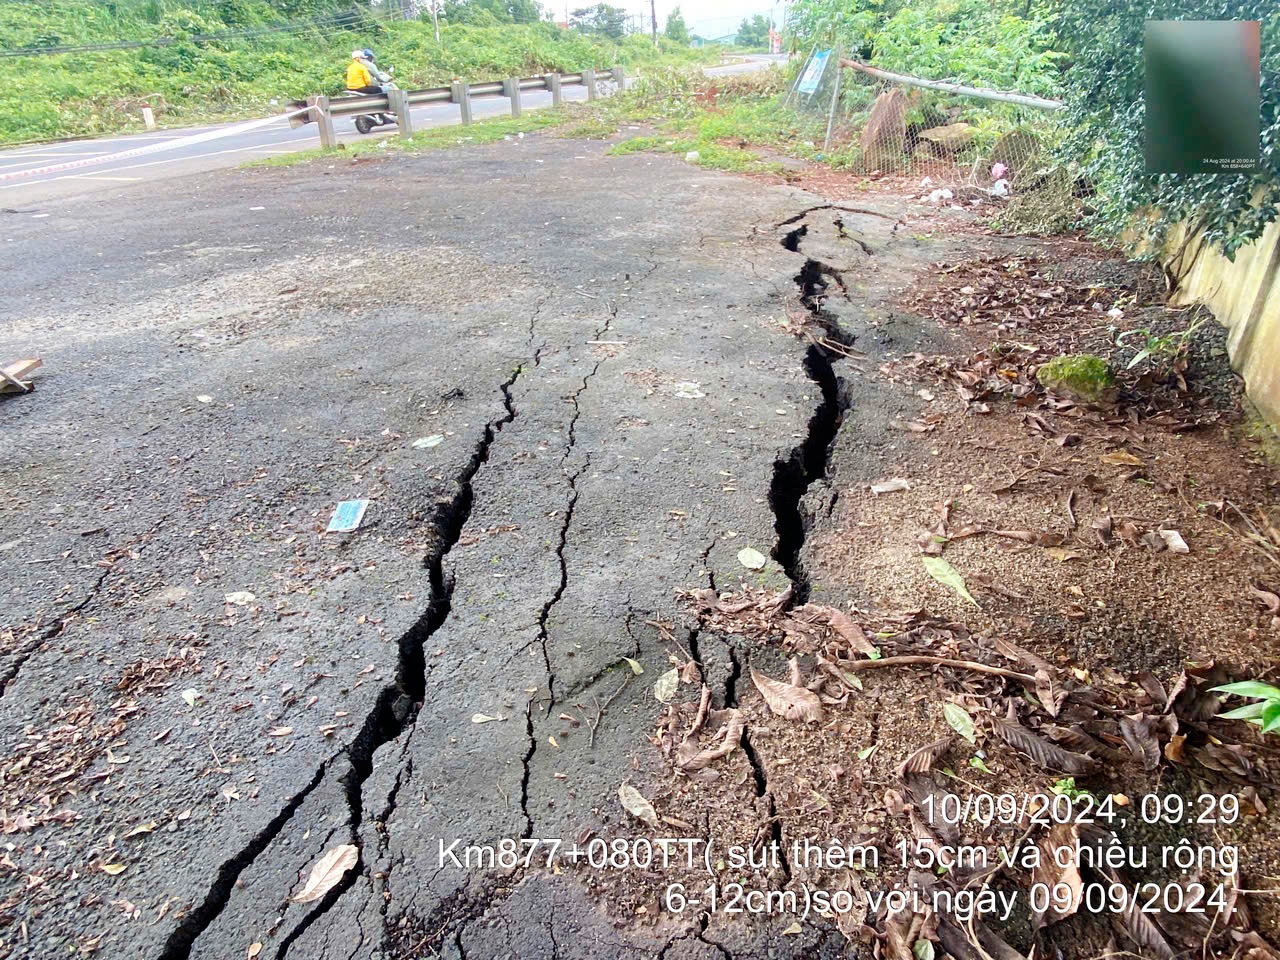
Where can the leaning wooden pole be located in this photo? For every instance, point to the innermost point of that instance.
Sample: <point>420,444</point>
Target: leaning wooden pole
<point>1018,98</point>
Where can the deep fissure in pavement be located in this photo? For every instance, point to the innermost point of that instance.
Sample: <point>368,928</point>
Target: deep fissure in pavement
<point>759,776</point>
<point>393,713</point>
<point>178,946</point>
<point>807,462</point>
<point>792,240</point>
<point>528,769</point>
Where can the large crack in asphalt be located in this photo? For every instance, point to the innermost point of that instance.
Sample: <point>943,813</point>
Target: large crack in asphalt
<point>396,708</point>
<point>460,908</point>
<point>545,614</point>
<point>44,636</point>
<point>793,475</point>
<point>184,935</point>
<point>394,712</point>
<point>807,462</point>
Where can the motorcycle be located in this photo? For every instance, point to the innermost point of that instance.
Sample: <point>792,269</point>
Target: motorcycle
<point>367,122</point>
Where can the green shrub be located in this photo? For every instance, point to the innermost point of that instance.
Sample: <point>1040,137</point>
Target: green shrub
<point>99,91</point>
<point>1105,90</point>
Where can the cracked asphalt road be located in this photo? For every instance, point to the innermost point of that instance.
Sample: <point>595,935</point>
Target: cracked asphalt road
<point>217,377</point>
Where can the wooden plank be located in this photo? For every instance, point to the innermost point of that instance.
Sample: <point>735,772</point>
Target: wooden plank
<point>12,375</point>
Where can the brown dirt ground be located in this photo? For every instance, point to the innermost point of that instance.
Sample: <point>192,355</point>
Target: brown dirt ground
<point>1101,608</point>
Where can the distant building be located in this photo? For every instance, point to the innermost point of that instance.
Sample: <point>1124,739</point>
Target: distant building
<point>562,24</point>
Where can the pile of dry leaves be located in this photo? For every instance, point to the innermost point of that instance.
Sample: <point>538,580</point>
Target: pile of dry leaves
<point>1060,720</point>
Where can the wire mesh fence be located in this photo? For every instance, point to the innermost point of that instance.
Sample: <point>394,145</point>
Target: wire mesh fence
<point>963,146</point>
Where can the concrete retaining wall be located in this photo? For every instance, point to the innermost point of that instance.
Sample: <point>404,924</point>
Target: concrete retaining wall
<point>1245,297</point>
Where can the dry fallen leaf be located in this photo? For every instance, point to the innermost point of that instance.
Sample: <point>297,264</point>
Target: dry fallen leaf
<point>1050,694</point>
<point>280,732</point>
<point>1059,870</point>
<point>1268,599</point>
<point>636,805</point>
<point>141,828</point>
<point>483,718</point>
<point>254,950</point>
<point>1062,555</point>
<point>666,686</point>
<point>1174,541</point>
<point>328,870</point>
<point>1121,457</point>
<point>787,700</point>
<point>751,559</point>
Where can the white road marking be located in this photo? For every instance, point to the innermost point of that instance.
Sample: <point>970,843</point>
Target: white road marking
<point>135,166</point>
<point>63,153</point>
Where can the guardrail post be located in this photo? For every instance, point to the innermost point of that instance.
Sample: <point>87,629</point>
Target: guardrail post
<point>460,93</point>
<point>620,78</point>
<point>589,78</point>
<point>398,103</point>
<point>511,89</point>
<point>320,113</point>
<point>553,84</point>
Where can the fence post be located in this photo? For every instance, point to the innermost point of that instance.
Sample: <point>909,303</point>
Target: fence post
<point>553,84</point>
<point>460,93</point>
<point>589,78</point>
<point>398,103</point>
<point>320,113</point>
<point>511,89</point>
<point>620,78</point>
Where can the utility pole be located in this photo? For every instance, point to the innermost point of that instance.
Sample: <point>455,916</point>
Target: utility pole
<point>653,12</point>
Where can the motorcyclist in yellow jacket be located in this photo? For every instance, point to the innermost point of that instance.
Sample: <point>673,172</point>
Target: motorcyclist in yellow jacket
<point>360,73</point>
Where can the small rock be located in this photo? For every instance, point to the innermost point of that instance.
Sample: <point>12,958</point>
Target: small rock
<point>1080,376</point>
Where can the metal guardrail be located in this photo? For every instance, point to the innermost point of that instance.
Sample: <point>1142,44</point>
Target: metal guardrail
<point>323,109</point>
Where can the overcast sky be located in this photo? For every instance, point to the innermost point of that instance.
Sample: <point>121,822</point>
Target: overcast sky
<point>710,18</point>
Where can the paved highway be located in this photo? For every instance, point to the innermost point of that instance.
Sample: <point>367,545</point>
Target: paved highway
<point>235,148</point>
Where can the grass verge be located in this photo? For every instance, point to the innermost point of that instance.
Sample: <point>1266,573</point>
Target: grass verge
<point>436,138</point>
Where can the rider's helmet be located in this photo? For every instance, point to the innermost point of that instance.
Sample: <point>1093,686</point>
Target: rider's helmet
<point>368,54</point>
<point>357,54</point>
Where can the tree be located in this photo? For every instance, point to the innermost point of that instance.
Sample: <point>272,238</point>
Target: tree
<point>502,11</point>
<point>602,18</point>
<point>754,32</point>
<point>1106,117</point>
<point>677,29</point>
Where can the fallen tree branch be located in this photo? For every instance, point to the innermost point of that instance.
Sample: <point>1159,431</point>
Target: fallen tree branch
<point>600,709</point>
<point>940,661</point>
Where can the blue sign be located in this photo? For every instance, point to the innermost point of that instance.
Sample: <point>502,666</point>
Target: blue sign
<point>813,73</point>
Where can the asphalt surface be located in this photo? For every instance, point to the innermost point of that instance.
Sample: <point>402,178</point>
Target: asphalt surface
<point>560,412</point>
<point>236,147</point>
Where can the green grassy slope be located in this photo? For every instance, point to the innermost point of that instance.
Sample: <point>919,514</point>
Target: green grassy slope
<point>191,81</point>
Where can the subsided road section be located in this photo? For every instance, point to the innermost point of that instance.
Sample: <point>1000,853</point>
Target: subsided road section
<point>565,398</point>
